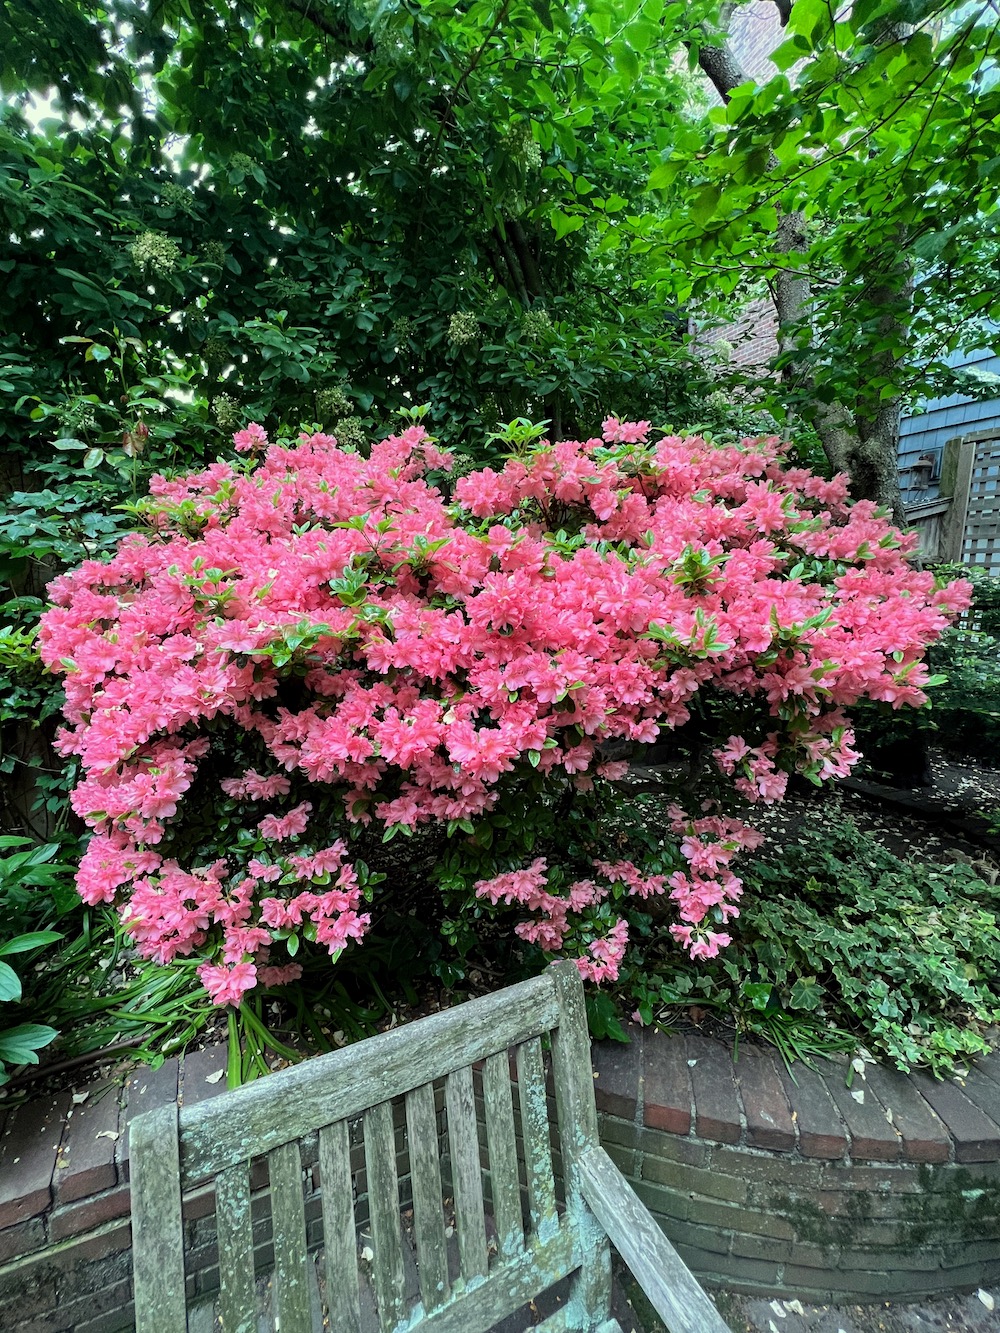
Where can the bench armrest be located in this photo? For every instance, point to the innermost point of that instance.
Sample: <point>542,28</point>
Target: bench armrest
<point>669,1285</point>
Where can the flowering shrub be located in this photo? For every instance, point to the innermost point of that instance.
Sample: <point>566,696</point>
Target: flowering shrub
<point>310,638</point>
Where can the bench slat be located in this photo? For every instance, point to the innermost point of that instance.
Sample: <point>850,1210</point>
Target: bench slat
<point>502,1146</point>
<point>669,1285</point>
<point>343,1296</point>
<point>245,1123</point>
<point>576,1107</point>
<point>234,1229</point>
<point>535,1134</point>
<point>157,1225</point>
<point>509,1287</point>
<point>428,1207</point>
<point>467,1173</point>
<point>383,1206</point>
<point>289,1220</point>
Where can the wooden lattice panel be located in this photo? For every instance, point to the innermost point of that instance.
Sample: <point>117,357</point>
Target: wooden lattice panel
<point>981,542</point>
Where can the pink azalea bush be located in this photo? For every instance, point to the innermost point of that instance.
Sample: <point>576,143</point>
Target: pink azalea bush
<point>307,643</point>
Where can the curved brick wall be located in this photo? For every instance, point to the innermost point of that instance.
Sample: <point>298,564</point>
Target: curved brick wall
<point>764,1185</point>
<point>769,1186</point>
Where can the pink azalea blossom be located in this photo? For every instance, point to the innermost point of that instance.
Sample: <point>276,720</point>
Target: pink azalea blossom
<point>250,440</point>
<point>228,985</point>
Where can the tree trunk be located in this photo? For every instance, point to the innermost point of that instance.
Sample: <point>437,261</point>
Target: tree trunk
<point>863,446</point>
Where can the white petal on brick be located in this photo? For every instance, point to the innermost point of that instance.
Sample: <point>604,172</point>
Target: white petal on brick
<point>859,1096</point>
<point>214,1078</point>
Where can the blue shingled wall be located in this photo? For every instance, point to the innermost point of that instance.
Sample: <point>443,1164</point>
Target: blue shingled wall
<point>944,418</point>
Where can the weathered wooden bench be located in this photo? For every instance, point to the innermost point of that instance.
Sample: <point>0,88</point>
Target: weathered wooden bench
<point>516,1230</point>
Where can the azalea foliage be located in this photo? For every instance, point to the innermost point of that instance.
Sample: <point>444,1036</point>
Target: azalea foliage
<point>308,644</point>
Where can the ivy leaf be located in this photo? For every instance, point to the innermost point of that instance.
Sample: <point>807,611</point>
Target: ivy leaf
<point>806,994</point>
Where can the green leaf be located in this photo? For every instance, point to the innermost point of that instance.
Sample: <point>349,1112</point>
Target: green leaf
<point>10,983</point>
<point>705,203</point>
<point>759,993</point>
<point>806,994</point>
<point>625,60</point>
<point>564,223</point>
<point>663,175</point>
<point>34,940</point>
<point>18,1045</point>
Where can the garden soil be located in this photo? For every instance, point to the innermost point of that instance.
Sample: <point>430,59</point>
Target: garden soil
<point>973,1312</point>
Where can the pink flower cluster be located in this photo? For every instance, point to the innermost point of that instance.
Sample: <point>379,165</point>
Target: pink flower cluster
<point>706,893</point>
<point>225,911</point>
<point>602,954</point>
<point>586,592</point>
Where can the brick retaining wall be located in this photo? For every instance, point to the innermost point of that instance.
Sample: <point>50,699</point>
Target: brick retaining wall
<point>765,1185</point>
<point>769,1186</point>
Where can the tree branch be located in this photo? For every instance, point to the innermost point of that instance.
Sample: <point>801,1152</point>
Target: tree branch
<point>865,450</point>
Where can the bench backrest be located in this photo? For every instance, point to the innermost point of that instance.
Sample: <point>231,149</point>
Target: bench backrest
<point>467,1049</point>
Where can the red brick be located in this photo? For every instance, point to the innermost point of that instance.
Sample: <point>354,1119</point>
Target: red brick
<point>24,1238</point>
<point>145,1090</point>
<point>873,1138</point>
<point>113,1240</point>
<point>197,1067</point>
<point>666,1083</point>
<point>768,1115</point>
<point>87,1156</point>
<point>925,1138</point>
<point>976,1136</point>
<point>822,1132</point>
<point>716,1100</point>
<point>40,1320</point>
<point>29,1296</point>
<point>28,1158</point>
<point>76,1218</point>
<point>617,1070</point>
<point>982,1092</point>
<point>105,1312</point>
<point>200,1204</point>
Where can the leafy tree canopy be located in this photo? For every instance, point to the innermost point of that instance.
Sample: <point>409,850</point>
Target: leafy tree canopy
<point>323,209</point>
<point>858,184</point>
<point>331,210</point>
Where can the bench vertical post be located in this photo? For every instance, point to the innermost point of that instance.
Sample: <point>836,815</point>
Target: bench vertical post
<point>577,1111</point>
<point>157,1223</point>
